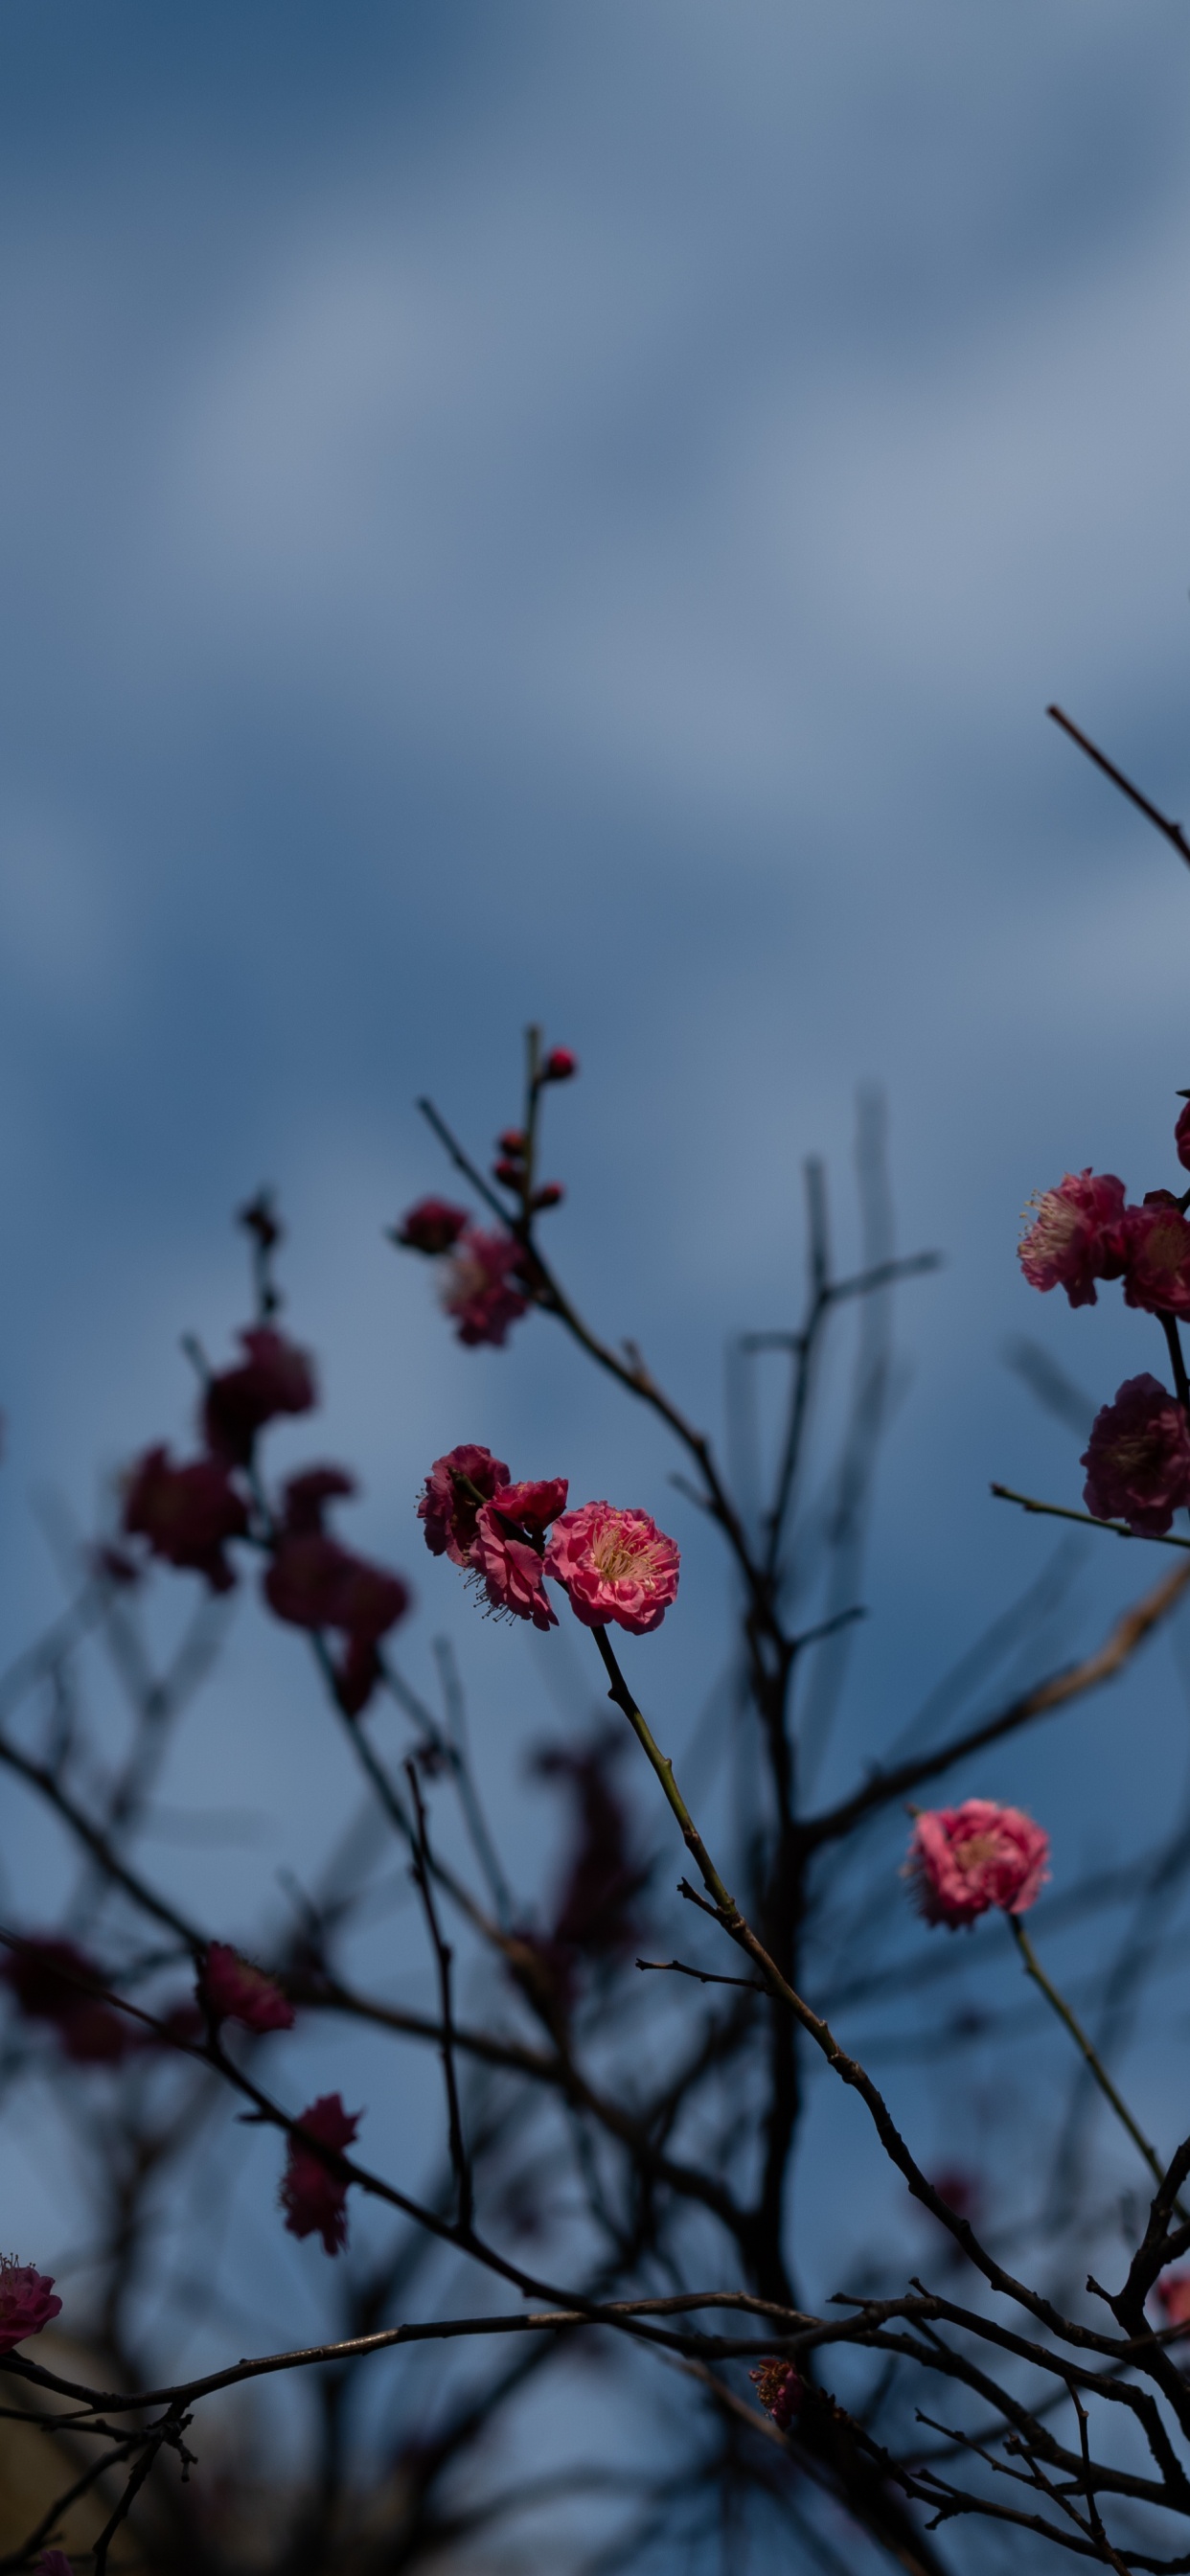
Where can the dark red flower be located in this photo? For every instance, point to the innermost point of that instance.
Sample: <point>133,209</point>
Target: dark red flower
<point>432,1226</point>
<point>356,1675</point>
<point>26,2304</point>
<point>52,1980</point>
<point>594,1912</point>
<point>314,1582</point>
<point>1138,1458</point>
<point>551,1195</point>
<point>187,1514</point>
<point>560,1066</point>
<point>1181,1138</point>
<point>1076,1236</point>
<point>781,2390</point>
<point>314,2191</point>
<point>275,1378</point>
<point>477,1287</point>
<point>449,1514</point>
<point>1156,1241</point>
<point>236,1991</point>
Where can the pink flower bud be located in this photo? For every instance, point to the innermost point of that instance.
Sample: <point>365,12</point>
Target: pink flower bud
<point>550,1196</point>
<point>513,1141</point>
<point>963,1860</point>
<point>236,1991</point>
<point>1138,1458</point>
<point>1075,1237</point>
<point>615,1565</point>
<point>26,2301</point>
<point>314,2192</point>
<point>509,1173</point>
<point>560,1066</point>
<point>432,1226</point>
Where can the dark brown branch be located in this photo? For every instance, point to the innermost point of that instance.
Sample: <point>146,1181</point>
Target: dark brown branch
<point>1173,831</point>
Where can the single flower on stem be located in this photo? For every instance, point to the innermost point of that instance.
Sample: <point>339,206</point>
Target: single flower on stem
<point>454,1490</point>
<point>234,1990</point>
<point>781,2391</point>
<point>314,2193</point>
<point>433,1227</point>
<point>1156,1243</point>
<point>275,1378</point>
<point>1138,1458</point>
<point>1076,1236</point>
<point>477,1287</point>
<point>26,2301</point>
<point>509,1563</point>
<point>615,1566</point>
<point>186,1514</point>
<point>965,1860</point>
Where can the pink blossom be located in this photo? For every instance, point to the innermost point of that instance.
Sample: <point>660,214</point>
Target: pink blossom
<point>449,1515</point>
<point>1156,1241</point>
<point>432,1226</point>
<point>781,2391</point>
<point>187,1514</point>
<point>512,1567</point>
<point>477,1286</point>
<point>1138,1460</point>
<point>964,1859</point>
<point>1075,1237</point>
<point>1173,2292</point>
<point>236,1991</point>
<point>615,1565</point>
<point>275,1378</point>
<point>314,1582</point>
<point>314,2193</point>
<point>26,2301</point>
<point>53,1981</point>
<point>1181,1137</point>
<point>560,1066</point>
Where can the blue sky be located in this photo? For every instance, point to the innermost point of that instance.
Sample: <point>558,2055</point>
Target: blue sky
<point>516,511</point>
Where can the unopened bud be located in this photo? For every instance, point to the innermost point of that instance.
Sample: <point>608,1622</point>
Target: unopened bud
<point>513,1141</point>
<point>510,1173</point>
<point>551,1196</point>
<point>560,1066</point>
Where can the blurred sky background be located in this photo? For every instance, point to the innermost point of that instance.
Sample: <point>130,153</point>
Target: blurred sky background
<point>517,510</point>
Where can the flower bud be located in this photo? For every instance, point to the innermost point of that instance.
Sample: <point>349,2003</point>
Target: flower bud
<point>512,1141</point>
<point>560,1066</point>
<point>551,1196</point>
<point>432,1226</point>
<point>510,1173</point>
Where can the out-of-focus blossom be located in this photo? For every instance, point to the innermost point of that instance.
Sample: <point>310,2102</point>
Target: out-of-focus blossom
<point>1156,1241</point>
<point>963,1860</point>
<point>1181,1137</point>
<point>615,1565</point>
<point>27,2302</point>
<point>432,1226</point>
<point>593,1915</point>
<point>275,1378</point>
<point>1138,1458</point>
<point>781,2391</point>
<point>356,1673</point>
<point>550,1195</point>
<point>1173,2292</point>
<point>560,1066</point>
<point>53,2562</point>
<point>961,2191</point>
<point>478,1290</point>
<point>314,2193</point>
<point>186,1514</point>
<point>314,1582</point>
<point>1076,1235</point>
<point>449,1515</point>
<point>51,1980</point>
<point>236,1991</point>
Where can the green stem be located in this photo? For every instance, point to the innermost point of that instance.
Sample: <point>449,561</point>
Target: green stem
<point>1033,1968</point>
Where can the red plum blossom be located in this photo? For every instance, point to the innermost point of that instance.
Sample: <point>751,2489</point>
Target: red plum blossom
<point>275,1378</point>
<point>314,2193</point>
<point>1157,1256</point>
<point>50,1980</point>
<point>433,1226</point>
<point>963,1860</point>
<point>560,1066</point>
<point>187,1514</point>
<point>615,1565</point>
<point>1075,1237</point>
<point>236,1991</point>
<point>781,2391</point>
<point>510,1565</point>
<point>477,1287</point>
<point>1138,1460</point>
<point>1173,2292</point>
<point>448,1512</point>
<point>26,2301</point>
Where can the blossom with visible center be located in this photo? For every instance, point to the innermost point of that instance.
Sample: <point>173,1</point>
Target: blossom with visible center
<point>963,1860</point>
<point>1156,1242</point>
<point>781,2391</point>
<point>511,1566</point>
<point>1075,1237</point>
<point>1138,1458</point>
<point>51,1980</point>
<point>1173,2292</point>
<point>275,1378</point>
<point>615,1565</point>
<point>477,1287</point>
<point>186,1514</point>
<point>448,1513</point>
<point>26,2301</point>
<point>314,2193</point>
<point>236,1991</point>
<point>433,1226</point>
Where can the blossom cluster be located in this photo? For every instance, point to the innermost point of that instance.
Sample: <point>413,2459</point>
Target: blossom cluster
<point>189,1514</point>
<point>488,1279</point>
<point>1085,1231</point>
<point>615,1566</point>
